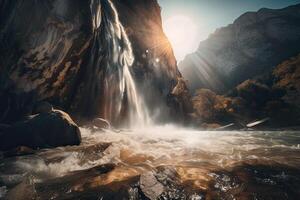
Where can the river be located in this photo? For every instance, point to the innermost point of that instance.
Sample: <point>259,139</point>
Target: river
<point>165,162</point>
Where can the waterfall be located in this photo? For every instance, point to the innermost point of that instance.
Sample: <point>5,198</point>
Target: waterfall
<point>111,51</point>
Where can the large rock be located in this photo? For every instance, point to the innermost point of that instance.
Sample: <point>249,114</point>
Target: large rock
<point>23,191</point>
<point>43,130</point>
<point>254,44</point>
<point>150,186</point>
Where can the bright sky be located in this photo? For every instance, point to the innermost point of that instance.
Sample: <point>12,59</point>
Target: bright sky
<point>187,22</point>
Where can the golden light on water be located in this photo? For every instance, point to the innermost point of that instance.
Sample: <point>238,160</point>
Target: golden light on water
<point>182,33</point>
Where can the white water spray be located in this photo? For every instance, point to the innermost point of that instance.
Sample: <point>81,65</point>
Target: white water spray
<point>122,101</point>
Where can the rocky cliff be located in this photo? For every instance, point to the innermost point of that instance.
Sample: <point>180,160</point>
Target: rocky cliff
<point>254,44</point>
<point>155,65</point>
<point>68,52</point>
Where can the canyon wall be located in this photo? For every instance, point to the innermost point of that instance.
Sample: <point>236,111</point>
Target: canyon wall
<point>253,45</point>
<point>60,51</point>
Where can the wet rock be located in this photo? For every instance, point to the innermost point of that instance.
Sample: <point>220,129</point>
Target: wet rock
<point>101,169</point>
<point>85,184</point>
<point>19,151</point>
<point>150,186</point>
<point>23,191</point>
<point>168,176</point>
<point>98,124</point>
<point>90,153</point>
<point>3,191</point>
<point>101,123</point>
<point>163,183</point>
<point>12,180</point>
<point>43,130</point>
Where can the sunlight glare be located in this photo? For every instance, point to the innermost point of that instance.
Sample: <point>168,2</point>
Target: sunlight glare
<point>182,33</point>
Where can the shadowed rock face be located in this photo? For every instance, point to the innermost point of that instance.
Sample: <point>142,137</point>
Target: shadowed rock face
<point>254,44</point>
<point>60,51</point>
<point>43,130</point>
<point>155,66</point>
<point>42,49</point>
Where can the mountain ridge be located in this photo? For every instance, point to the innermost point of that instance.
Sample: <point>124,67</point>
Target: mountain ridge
<point>253,44</point>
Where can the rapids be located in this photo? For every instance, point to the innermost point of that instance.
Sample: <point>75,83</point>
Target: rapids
<point>208,164</point>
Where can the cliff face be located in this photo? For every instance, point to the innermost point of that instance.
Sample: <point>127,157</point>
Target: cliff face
<point>43,44</point>
<point>252,45</point>
<point>155,66</point>
<point>65,52</point>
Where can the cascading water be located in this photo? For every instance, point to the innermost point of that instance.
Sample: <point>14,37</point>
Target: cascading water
<point>122,102</point>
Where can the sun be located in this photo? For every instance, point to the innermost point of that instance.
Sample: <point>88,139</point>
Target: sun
<point>182,33</point>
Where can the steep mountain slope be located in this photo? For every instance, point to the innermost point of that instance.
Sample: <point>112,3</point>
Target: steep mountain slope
<point>69,52</point>
<point>155,65</point>
<point>252,45</point>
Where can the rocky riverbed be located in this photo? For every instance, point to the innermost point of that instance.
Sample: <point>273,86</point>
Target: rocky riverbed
<point>159,163</point>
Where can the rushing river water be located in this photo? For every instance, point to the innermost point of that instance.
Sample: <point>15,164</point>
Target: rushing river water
<point>160,162</point>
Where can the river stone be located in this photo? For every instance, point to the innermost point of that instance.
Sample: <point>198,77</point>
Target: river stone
<point>150,186</point>
<point>23,191</point>
<point>19,151</point>
<point>43,130</point>
<point>100,123</point>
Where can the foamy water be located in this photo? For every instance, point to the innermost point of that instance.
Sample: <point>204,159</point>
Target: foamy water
<point>196,155</point>
<point>165,145</point>
<point>174,145</point>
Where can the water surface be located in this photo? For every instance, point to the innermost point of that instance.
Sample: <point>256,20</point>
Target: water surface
<point>188,164</point>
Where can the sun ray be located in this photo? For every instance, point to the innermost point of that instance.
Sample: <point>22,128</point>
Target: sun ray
<point>182,33</point>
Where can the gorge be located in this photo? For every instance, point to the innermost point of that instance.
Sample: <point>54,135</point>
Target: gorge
<point>67,58</point>
<point>93,106</point>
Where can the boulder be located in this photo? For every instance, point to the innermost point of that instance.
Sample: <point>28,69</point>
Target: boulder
<point>97,124</point>
<point>18,151</point>
<point>52,129</point>
<point>23,191</point>
<point>100,123</point>
<point>150,186</point>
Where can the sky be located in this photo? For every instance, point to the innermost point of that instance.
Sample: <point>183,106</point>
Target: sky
<point>202,17</point>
